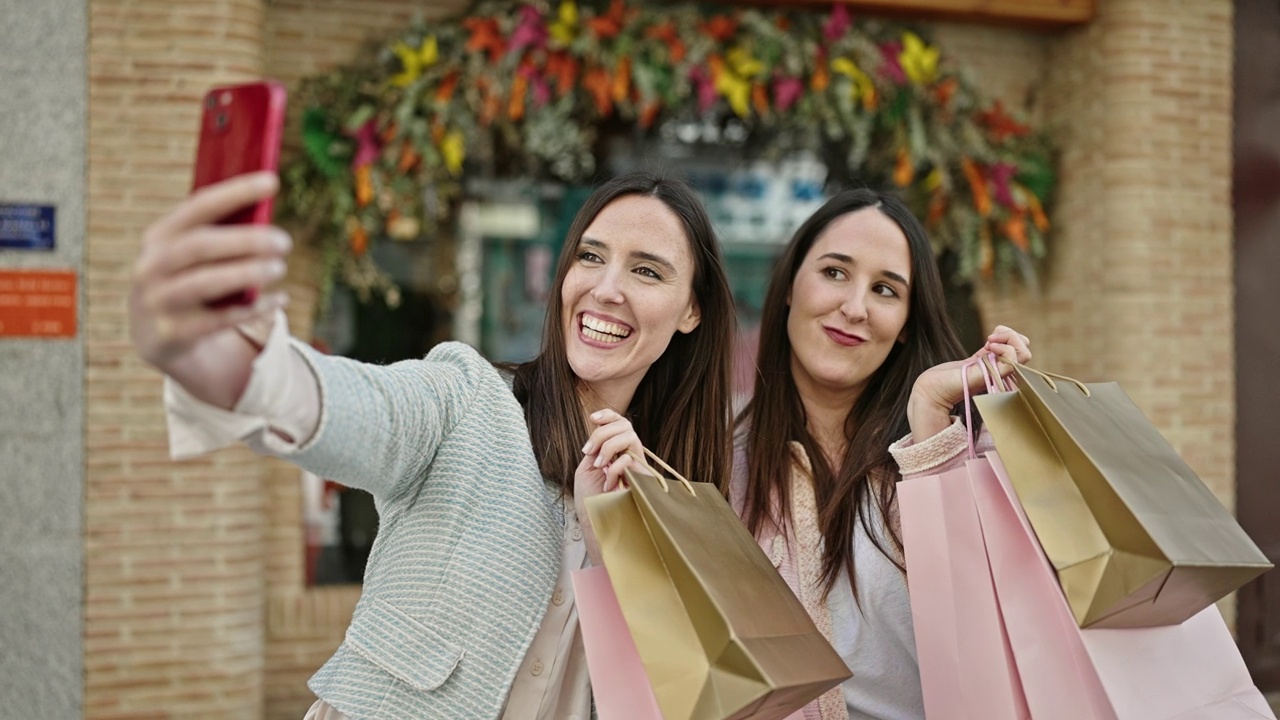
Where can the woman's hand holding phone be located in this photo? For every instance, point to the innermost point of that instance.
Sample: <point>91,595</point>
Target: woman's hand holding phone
<point>187,262</point>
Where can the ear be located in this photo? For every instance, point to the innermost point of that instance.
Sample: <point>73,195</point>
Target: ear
<point>692,318</point>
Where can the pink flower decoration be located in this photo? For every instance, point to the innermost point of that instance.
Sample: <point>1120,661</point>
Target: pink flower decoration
<point>706,89</point>
<point>890,66</point>
<point>1000,175</point>
<point>837,23</point>
<point>786,91</point>
<point>367,147</point>
<point>530,32</point>
<point>538,85</point>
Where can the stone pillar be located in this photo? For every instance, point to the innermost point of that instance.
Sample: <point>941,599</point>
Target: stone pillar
<point>42,143</point>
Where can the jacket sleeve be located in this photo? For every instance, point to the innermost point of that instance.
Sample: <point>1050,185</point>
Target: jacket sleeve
<point>278,411</point>
<point>380,426</point>
<point>945,451</point>
<point>373,427</point>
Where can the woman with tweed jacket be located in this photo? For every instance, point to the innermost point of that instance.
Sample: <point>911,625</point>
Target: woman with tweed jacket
<point>479,474</point>
<point>856,351</point>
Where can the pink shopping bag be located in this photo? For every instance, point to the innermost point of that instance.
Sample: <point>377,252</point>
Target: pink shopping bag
<point>1191,671</point>
<point>618,682</point>
<point>966,663</point>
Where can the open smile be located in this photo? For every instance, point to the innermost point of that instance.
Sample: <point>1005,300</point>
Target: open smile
<point>601,331</point>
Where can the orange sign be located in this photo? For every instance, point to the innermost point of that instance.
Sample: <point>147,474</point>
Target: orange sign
<point>38,303</point>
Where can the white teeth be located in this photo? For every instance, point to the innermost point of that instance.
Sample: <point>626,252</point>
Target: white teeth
<point>601,326</point>
<point>601,337</point>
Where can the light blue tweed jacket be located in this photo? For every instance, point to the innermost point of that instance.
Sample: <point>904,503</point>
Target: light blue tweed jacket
<point>469,543</point>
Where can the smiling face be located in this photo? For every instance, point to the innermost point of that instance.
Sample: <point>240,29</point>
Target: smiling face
<point>849,303</point>
<point>627,292</point>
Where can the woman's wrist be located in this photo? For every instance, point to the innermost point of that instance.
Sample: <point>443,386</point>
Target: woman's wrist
<point>926,416</point>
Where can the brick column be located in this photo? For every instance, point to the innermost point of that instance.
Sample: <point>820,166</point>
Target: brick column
<point>174,567</point>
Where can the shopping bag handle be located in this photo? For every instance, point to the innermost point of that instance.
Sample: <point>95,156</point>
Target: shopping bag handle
<point>1048,377</point>
<point>992,379</point>
<point>968,404</point>
<point>665,488</point>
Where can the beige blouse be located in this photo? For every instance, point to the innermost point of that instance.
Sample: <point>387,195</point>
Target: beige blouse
<point>284,395</point>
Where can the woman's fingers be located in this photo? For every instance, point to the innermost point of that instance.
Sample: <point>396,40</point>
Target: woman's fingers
<point>212,244</point>
<point>181,329</point>
<point>199,286</point>
<point>618,445</point>
<point>1004,333</point>
<point>210,204</point>
<point>613,472</point>
<point>611,424</point>
<point>1007,354</point>
<point>1003,338</point>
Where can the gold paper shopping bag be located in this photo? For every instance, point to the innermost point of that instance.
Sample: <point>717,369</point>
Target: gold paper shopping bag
<point>718,630</point>
<point>1134,535</point>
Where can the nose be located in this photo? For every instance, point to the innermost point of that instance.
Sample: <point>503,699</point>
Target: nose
<point>854,307</point>
<point>608,291</point>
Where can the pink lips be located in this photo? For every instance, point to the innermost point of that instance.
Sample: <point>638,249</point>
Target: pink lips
<point>843,338</point>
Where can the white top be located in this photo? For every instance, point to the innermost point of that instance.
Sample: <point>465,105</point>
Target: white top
<point>874,636</point>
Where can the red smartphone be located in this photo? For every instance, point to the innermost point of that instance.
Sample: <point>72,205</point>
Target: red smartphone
<point>240,130</point>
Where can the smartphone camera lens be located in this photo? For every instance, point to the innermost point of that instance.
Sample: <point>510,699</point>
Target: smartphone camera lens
<point>210,102</point>
<point>220,121</point>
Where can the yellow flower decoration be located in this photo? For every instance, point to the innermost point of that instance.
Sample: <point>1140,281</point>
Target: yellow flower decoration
<point>413,61</point>
<point>743,64</point>
<point>453,148</point>
<point>863,87</point>
<point>933,180</point>
<point>565,27</point>
<point>919,61</point>
<point>732,86</point>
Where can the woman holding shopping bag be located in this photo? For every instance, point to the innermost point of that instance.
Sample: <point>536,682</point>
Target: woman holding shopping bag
<point>479,474</point>
<point>859,372</point>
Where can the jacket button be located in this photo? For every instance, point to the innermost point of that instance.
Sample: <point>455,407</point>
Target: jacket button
<point>536,669</point>
<point>558,597</point>
<point>576,534</point>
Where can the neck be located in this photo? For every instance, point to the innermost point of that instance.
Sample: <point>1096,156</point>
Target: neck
<point>826,410</point>
<point>606,396</point>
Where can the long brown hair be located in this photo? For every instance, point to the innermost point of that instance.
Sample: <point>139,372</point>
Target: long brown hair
<point>681,408</point>
<point>775,415</point>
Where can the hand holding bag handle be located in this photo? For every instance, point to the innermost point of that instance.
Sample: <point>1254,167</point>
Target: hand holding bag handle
<point>661,480</point>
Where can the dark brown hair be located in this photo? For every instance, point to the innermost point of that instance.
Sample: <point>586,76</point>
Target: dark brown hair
<point>775,415</point>
<point>681,408</point>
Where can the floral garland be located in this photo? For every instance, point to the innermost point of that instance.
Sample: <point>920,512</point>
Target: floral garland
<point>387,140</point>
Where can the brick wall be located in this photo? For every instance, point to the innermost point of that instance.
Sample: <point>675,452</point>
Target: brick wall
<point>174,562</point>
<point>1140,289</point>
<point>1140,284</point>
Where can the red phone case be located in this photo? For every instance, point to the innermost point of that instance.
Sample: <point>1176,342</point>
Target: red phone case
<point>240,129</point>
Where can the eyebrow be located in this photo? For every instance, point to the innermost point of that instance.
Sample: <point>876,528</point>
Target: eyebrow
<point>643,255</point>
<point>838,257</point>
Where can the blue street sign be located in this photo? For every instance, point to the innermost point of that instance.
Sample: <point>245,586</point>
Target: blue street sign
<point>29,227</point>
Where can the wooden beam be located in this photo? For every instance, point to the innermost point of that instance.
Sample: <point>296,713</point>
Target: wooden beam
<point>1030,13</point>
